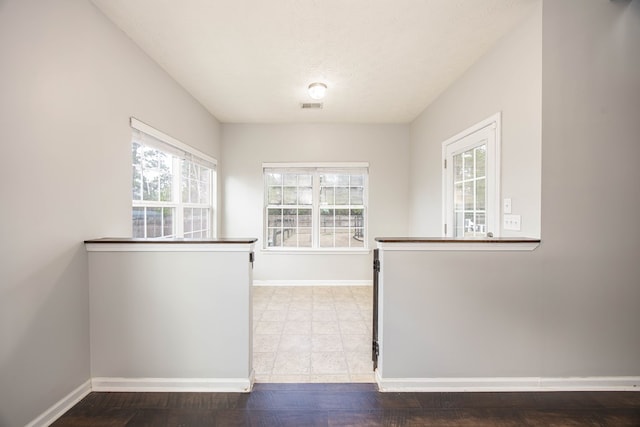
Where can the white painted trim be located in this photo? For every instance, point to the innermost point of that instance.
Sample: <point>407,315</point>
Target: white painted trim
<point>63,405</point>
<point>312,283</point>
<point>150,130</point>
<point>488,384</point>
<point>233,385</point>
<point>494,159</point>
<point>169,247</point>
<point>274,251</point>
<point>472,129</point>
<point>328,165</point>
<point>451,246</point>
<point>315,169</point>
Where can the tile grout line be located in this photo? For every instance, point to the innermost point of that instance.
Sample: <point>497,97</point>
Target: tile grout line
<point>328,301</point>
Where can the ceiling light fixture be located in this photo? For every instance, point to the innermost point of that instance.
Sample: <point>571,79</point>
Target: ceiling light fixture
<point>317,90</point>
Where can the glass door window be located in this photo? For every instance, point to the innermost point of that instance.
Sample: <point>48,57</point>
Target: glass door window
<point>471,181</point>
<point>470,192</point>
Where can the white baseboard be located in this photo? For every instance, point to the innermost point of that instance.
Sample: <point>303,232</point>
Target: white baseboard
<point>62,406</point>
<point>312,283</point>
<point>234,385</point>
<point>508,384</point>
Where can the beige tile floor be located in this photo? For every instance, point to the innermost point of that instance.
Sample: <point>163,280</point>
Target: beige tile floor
<point>312,333</point>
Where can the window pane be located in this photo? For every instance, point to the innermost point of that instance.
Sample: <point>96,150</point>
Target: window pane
<point>136,185</point>
<point>138,223</point>
<point>327,217</point>
<point>357,238</point>
<point>203,188</point>
<point>289,219</point>
<point>342,195</point>
<point>469,224</point>
<point>469,191</point>
<point>481,161</point>
<point>304,218</point>
<point>342,217</point>
<point>305,180</point>
<point>291,179</point>
<point>481,194</point>
<point>457,168</point>
<point>154,222</point>
<point>157,172</point>
<point>275,196</point>
<point>274,217</point>
<point>357,218</point>
<point>206,222</point>
<point>458,197</point>
<point>150,175</point>
<point>481,223</point>
<point>357,196</point>
<point>327,196</point>
<point>185,182</point>
<point>304,237</point>
<point>197,219</point>
<point>170,183</point>
<point>342,238</point>
<point>458,224</point>
<point>467,166</point>
<point>305,195</point>
<point>342,180</point>
<point>167,220</point>
<point>326,237</point>
<point>328,179</point>
<point>289,238</point>
<point>274,237</point>
<point>290,196</point>
<point>274,179</point>
<point>468,195</point>
<point>193,189</point>
<point>289,227</point>
<point>165,177</point>
<point>357,180</point>
<point>188,220</point>
<point>293,227</point>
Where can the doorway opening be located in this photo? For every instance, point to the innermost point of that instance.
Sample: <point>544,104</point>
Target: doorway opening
<point>312,334</point>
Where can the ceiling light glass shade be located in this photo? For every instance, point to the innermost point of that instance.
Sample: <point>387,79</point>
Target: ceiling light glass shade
<point>317,90</point>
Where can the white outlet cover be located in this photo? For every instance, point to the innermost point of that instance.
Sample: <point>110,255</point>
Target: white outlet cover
<point>511,222</point>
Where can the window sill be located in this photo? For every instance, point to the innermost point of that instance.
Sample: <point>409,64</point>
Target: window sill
<point>457,244</point>
<point>315,251</point>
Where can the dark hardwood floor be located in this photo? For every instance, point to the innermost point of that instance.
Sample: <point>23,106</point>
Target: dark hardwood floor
<point>354,405</point>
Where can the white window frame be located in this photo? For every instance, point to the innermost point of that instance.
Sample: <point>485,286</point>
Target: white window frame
<point>316,169</point>
<point>460,143</point>
<point>180,147</point>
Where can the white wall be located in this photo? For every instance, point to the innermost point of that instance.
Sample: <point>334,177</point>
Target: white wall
<point>483,321</point>
<point>246,147</point>
<point>508,80</point>
<point>590,276</point>
<point>571,308</point>
<point>177,313</point>
<point>69,82</point>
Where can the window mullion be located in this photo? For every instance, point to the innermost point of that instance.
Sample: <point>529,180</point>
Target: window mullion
<point>315,212</point>
<point>177,198</point>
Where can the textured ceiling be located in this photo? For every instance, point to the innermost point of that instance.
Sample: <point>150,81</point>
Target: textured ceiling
<point>250,61</point>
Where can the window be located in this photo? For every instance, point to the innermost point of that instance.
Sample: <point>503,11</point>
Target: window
<point>315,207</point>
<point>173,187</point>
<point>471,181</point>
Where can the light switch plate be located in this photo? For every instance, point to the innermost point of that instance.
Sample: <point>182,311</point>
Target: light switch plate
<point>506,206</point>
<point>511,222</point>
